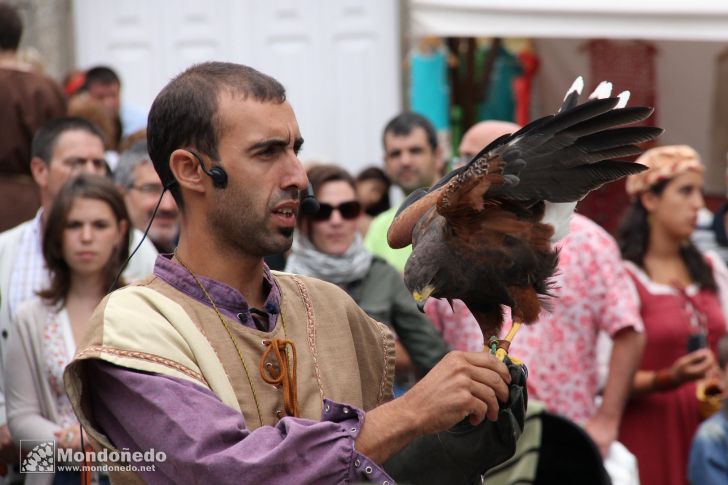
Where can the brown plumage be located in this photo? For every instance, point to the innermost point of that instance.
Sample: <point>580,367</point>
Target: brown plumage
<point>480,234</point>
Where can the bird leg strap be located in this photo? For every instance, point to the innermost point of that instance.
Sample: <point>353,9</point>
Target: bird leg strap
<point>499,347</point>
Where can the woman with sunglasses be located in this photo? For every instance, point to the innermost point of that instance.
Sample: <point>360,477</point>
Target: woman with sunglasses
<point>84,245</point>
<point>328,246</point>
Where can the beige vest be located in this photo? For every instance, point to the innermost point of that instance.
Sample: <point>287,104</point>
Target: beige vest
<point>342,354</point>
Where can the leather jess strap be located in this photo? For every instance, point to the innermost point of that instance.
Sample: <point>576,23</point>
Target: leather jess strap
<point>283,374</point>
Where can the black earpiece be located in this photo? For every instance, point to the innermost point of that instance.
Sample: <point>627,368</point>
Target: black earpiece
<point>309,205</point>
<point>217,174</point>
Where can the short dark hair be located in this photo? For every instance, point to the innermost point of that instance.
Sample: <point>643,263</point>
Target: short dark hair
<point>318,175</point>
<point>11,27</point>
<point>100,75</point>
<point>85,186</point>
<point>184,113</point>
<point>383,204</point>
<point>404,123</point>
<point>373,173</point>
<point>45,139</point>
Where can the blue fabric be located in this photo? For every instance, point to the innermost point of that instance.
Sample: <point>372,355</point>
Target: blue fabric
<point>501,102</point>
<point>708,463</point>
<point>429,89</point>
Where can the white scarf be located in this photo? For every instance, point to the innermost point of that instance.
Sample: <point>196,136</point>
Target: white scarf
<point>306,260</point>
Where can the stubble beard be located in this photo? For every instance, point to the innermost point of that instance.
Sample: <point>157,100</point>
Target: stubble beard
<point>235,225</point>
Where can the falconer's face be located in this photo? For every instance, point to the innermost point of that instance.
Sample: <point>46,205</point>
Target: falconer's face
<point>258,147</point>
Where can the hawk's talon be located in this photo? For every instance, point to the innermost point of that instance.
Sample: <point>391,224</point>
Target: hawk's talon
<point>500,354</point>
<point>516,360</point>
<point>499,347</point>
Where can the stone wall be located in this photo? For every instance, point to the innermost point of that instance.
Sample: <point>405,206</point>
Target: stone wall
<point>47,34</point>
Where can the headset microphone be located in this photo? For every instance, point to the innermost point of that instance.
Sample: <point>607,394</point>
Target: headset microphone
<point>309,205</point>
<point>217,174</point>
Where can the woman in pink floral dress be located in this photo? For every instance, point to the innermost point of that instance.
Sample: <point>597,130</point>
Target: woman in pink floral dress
<point>680,303</point>
<point>85,243</point>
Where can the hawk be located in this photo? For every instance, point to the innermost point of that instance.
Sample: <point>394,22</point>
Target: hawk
<point>484,233</point>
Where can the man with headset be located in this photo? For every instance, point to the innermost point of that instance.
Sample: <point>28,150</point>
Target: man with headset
<point>235,372</point>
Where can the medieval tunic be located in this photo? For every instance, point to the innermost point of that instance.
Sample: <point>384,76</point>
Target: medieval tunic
<point>176,372</point>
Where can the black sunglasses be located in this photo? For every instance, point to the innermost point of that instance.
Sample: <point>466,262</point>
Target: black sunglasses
<point>348,210</point>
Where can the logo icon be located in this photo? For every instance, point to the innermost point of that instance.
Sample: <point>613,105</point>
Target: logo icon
<point>40,459</point>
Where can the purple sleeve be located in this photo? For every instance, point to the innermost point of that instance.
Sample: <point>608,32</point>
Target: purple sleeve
<point>206,440</point>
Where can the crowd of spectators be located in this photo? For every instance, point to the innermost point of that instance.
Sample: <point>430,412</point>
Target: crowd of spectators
<point>78,190</point>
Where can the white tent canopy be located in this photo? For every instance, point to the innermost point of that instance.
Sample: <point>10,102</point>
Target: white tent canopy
<point>698,20</point>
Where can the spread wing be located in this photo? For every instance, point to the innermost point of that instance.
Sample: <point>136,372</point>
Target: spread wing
<point>558,158</point>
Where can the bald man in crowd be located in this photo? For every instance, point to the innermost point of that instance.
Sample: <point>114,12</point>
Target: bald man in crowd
<point>480,135</point>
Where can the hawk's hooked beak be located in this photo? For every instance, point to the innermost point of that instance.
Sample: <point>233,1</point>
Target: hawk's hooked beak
<point>421,296</point>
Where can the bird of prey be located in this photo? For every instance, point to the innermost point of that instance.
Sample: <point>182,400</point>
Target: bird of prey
<point>484,233</point>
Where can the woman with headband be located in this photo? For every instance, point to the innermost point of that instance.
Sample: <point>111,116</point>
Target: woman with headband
<point>681,307</point>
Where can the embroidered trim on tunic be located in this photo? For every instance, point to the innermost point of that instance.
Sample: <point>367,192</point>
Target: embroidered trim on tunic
<point>145,356</point>
<point>311,330</point>
<point>383,385</point>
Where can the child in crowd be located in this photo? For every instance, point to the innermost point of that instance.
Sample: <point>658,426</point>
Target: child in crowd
<point>708,463</point>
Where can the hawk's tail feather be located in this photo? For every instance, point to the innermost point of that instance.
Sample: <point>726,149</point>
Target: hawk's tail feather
<point>575,156</point>
<point>572,94</point>
<point>615,117</point>
<point>572,184</point>
<point>617,137</point>
<point>578,114</point>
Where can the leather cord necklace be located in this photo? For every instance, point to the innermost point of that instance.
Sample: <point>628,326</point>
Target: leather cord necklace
<point>284,376</point>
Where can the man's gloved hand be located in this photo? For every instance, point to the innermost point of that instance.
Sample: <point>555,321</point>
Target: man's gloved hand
<point>464,452</point>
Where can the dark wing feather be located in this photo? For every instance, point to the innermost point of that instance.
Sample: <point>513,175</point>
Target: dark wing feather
<point>558,158</point>
<point>572,184</point>
<point>547,153</point>
<point>616,117</point>
<point>617,143</point>
<point>567,119</point>
<point>570,100</point>
<point>594,128</point>
<point>632,135</point>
